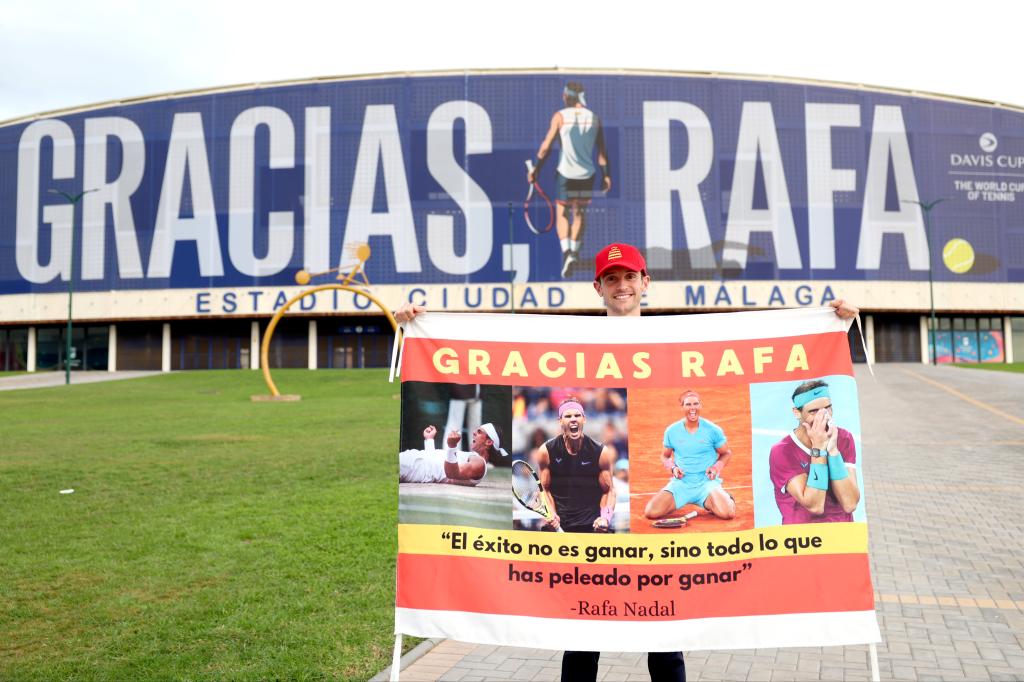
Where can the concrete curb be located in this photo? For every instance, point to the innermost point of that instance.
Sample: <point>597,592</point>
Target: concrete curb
<point>408,659</point>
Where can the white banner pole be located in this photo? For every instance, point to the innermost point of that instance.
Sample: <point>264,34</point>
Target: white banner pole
<point>396,658</point>
<point>873,654</point>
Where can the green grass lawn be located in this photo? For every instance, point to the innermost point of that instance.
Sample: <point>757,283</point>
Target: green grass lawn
<point>996,366</point>
<point>208,536</point>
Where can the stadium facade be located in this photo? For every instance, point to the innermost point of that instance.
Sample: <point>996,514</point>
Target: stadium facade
<point>744,192</point>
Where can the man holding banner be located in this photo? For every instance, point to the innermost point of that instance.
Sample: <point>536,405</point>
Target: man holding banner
<point>621,279</point>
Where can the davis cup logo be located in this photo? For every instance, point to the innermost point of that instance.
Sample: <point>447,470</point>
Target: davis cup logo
<point>988,142</point>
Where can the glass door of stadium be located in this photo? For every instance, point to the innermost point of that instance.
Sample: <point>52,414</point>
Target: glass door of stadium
<point>13,349</point>
<point>210,344</point>
<point>968,340</point>
<point>897,338</point>
<point>89,348</point>
<point>346,344</point>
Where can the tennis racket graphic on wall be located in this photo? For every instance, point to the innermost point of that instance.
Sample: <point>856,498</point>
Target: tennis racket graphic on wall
<point>537,208</point>
<point>527,489</point>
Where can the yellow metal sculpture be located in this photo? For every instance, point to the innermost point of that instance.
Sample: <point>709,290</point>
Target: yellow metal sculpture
<point>348,282</point>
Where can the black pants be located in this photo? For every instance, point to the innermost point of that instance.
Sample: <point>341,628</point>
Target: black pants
<point>664,666</point>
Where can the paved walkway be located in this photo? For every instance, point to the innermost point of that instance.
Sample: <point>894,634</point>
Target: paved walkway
<point>48,379</point>
<point>944,479</point>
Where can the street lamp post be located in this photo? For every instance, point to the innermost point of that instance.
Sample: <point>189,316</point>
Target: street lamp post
<point>927,209</point>
<point>72,199</point>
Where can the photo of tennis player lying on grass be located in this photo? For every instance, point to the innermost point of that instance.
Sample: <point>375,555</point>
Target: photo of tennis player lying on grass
<point>453,466</point>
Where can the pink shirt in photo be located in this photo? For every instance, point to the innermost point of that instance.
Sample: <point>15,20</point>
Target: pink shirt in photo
<point>788,460</point>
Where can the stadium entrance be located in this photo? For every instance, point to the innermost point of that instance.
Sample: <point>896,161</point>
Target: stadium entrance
<point>968,339</point>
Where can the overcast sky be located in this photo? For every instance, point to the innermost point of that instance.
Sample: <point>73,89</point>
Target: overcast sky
<point>62,54</point>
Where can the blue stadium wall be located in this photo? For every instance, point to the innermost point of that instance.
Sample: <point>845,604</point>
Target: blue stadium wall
<point>742,192</point>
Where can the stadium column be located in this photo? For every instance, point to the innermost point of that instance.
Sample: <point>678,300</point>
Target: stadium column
<point>869,338</point>
<point>30,361</point>
<point>112,348</point>
<point>1008,338</point>
<point>312,344</point>
<point>926,358</point>
<point>165,349</point>
<point>254,345</point>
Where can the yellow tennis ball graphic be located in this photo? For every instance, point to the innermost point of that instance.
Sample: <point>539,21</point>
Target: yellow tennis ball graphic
<point>958,255</point>
<point>302,277</point>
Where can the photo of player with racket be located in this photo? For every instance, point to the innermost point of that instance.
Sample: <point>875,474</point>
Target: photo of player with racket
<point>578,131</point>
<point>654,471</point>
<point>814,468</point>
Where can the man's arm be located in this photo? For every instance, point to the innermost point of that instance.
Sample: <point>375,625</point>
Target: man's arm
<point>602,159</point>
<point>668,460</point>
<point>541,462</point>
<point>844,310</point>
<point>811,499</point>
<point>471,470</point>
<point>545,146</point>
<point>724,455</point>
<point>407,311</point>
<point>604,477</point>
<point>844,487</point>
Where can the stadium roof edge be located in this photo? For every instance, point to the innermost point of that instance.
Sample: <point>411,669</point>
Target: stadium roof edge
<point>790,80</point>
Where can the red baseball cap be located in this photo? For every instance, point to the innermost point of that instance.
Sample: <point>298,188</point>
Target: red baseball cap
<point>619,256</point>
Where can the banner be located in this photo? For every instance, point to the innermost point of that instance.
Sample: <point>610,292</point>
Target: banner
<point>674,464</point>
<point>743,192</point>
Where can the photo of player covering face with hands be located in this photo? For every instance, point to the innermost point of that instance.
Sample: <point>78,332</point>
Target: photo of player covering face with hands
<point>814,468</point>
<point>687,466</point>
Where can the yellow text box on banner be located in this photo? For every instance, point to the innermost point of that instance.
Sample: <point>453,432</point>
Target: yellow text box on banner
<point>596,548</point>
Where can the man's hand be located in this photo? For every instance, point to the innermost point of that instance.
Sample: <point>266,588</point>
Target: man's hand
<point>600,525</point>
<point>844,310</point>
<point>606,184</point>
<point>407,311</point>
<point>819,429</point>
<point>714,471</point>
<point>429,432</point>
<point>531,175</point>
<point>833,441</point>
<point>454,437</point>
<point>554,523</point>
<point>677,472</point>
